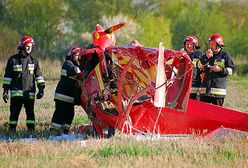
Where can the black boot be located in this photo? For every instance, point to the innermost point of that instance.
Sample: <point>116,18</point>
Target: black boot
<point>55,132</point>
<point>65,131</point>
<point>12,130</point>
<point>30,130</point>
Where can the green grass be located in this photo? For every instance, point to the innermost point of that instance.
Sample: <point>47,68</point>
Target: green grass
<point>81,120</point>
<point>130,151</point>
<point>237,95</point>
<point>174,153</point>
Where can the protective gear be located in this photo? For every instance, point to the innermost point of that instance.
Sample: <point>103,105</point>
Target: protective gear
<point>65,97</point>
<point>22,74</point>
<point>15,109</point>
<point>217,38</point>
<point>25,40</point>
<point>62,117</point>
<point>196,79</point>
<point>80,76</point>
<point>214,83</point>
<point>213,100</point>
<point>5,96</point>
<point>194,55</point>
<point>193,39</point>
<point>67,82</point>
<point>74,50</point>
<point>40,94</point>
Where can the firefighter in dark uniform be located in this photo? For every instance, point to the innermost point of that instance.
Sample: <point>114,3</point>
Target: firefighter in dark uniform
<point>191,47</point>
<point>66,93</point>
<point>21,73</point>
<point>217,65</point>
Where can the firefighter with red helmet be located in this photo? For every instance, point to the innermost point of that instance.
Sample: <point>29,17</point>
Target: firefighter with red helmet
<point>191,47</point>
<point>21,73</point>
<point>66,93</point>
<point>217,65</point>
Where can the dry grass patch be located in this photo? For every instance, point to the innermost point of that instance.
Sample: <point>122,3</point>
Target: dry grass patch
<point>81,161</point>
<point>123,151</point>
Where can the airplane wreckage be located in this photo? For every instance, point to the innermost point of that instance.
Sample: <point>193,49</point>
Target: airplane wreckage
<point>136,89</point>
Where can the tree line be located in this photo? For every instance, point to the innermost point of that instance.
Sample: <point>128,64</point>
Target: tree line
<point>57,25</point>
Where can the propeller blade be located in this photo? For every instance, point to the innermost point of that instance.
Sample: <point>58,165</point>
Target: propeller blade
<point>115,27</point>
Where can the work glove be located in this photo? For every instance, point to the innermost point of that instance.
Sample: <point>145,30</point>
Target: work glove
<point>40,94</point>
<point>5,96</point>
<point>80,76</point>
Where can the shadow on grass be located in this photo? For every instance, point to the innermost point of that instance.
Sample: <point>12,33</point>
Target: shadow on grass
<point>41,132</point>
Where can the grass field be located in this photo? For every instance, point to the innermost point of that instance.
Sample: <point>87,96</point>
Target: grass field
<point>121,151</point>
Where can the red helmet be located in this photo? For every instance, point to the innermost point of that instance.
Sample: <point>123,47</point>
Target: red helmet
<point>193,39</point>
<point>75,49</point>
<point>25,40</point>
<point>217,38</point>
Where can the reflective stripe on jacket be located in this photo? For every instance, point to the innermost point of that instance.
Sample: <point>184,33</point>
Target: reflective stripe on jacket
<point>214,83</point>
<point>214,91</point>
<point>67,84</point>
<point>20,76</point>
<point>196,79</point>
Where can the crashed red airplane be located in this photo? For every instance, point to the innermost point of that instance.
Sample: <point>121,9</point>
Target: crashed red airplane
<point>135,89</point>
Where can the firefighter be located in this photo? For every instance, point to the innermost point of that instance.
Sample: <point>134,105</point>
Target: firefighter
<point>191,47</point>
<point>66,93</point>
<point>21,73</point>
<point>217,65</point>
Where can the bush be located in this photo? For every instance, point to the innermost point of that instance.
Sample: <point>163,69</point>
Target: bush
<point>241,69</point>
<point>8,42</point>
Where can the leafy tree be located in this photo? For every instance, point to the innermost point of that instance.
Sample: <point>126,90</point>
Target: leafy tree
<point>3,11</point>
<point>8,42</point>
<point>236,13</point>
<point>154,29</point>
<point>238,43</point>
<point>86,14</point>
<point>201,21</point>
<point>40,19</point>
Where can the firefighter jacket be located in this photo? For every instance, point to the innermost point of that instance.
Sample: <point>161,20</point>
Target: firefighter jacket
<point>67,86</point>
<point>214,83</point>
<point>196,80</point>
<point>20,76</point>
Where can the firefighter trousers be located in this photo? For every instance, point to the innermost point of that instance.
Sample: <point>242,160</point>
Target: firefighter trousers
<point>15,109</point>
<point>212,100</point>
<point>62,116</point>
<point>193,96</point>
